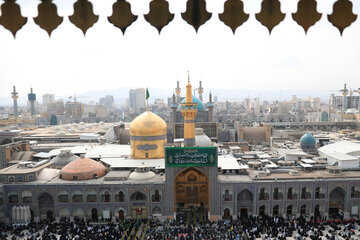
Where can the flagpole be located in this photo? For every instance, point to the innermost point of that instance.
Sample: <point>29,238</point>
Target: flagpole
<point>147,99</point>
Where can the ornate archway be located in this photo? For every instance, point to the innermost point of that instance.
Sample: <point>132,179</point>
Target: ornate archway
<point>192,189</point>
<point>46,206</point>
<point>336,201</point>
<point>245,203</point>
<point>139,209</point>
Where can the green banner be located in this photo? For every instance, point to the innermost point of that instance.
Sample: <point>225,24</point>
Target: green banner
<point>190,156</point>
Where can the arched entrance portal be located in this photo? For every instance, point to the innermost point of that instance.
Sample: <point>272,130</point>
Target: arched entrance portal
<point>121,215</point>
<point>226,213</point>
<point>192,191</point>
<point>94,214</point>
<point>336,201</point>
<point>46,206</point>
<point>245,203</point>
<point>138,201</point>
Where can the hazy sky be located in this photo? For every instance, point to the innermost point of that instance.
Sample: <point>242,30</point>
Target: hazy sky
<point>288,59</point>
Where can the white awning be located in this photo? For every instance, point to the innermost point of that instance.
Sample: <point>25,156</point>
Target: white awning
<point>228,162</point>
<point>306,165</point>
<point>308,161</point>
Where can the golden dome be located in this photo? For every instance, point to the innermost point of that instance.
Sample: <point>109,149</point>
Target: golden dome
<point>148,136</point>
<point>148,124</point>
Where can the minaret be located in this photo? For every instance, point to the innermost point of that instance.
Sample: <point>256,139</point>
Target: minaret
<point>174,113</point>
<point>178,91</point>
<point>188,111</point>
<point>173,108</point>
<point>344,92</point>
<point>200,90</point>
<point>14,96</point>
<point>210,109</point>
<point>32,99</point>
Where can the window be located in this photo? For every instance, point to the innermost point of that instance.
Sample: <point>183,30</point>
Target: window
<point>91,196</point>
<point>105,197</point>
<point>289,210</point>
<point>291,195</point>
<point>276,194</point>
<point>317,192</point>
<point>63,197</point>
<point>227,195</point>
<point>303,209</point>
<point>77,197</point>
<point>263,195</point>
<point>156,196</point>
<point>354,192</point>
<point>276,210</point>
<point>262,210</point>
<point>26,196</point>
<point>120,197</point>
<point>75,177</point>
<point>305,194</point>
<point>146,155</point>
<point>13,197</point>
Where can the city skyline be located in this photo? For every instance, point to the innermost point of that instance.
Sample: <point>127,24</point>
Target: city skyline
<point>235,95</point>
<point>249,59</point>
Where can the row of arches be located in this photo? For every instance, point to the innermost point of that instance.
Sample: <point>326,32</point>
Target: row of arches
<point>277,194</point>
<point>26,197</point>
<point>291,194</point>
<point>336,203</point>
<point>278,210</point>
<point>46,209</point>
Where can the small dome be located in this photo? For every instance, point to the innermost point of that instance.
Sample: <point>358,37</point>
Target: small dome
<point>201,140</point>
<point>141,173</point>
<point>148,124</point>
<point>200,105</point>
<point>64,158</point>
<point>82,169</point>
<point>307,142</point>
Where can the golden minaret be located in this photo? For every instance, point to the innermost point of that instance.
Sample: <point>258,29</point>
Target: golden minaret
<point>188,111</point>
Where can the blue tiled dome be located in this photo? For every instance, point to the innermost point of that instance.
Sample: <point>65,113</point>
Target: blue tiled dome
<point>307,142</point>
<point>200,105</point>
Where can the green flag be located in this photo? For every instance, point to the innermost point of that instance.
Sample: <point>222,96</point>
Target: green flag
<point>147,94</point>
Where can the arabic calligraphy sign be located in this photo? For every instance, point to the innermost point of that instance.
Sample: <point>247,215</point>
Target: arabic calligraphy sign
<point>190,156</point>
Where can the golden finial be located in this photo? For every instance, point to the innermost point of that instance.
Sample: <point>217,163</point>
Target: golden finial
<point>188,76</point>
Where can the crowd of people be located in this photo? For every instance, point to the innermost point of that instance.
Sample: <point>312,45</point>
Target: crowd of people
<point>264,227</point>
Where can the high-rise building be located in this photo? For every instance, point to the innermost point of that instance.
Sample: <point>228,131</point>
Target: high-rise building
<point>48,98</point>
<point>32,99</point>
<point>107,101</point>
<point>137,100</point>
<point>56,108</point>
